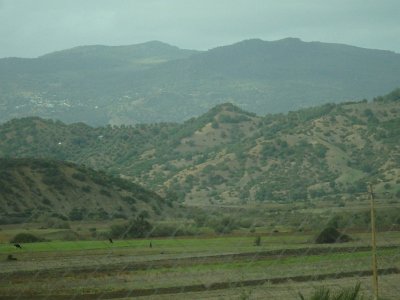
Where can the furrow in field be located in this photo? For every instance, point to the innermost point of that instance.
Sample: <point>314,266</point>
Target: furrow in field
<point>202,287</point>
<point>186,261</point>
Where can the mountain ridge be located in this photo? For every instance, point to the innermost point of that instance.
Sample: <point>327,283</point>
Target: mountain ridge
<point>258,76</point>
<point>229,155</point>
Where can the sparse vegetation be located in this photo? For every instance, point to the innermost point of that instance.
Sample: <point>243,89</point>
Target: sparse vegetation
<point>52,190</point>
<point>281,158</point>
<point>324,293</point>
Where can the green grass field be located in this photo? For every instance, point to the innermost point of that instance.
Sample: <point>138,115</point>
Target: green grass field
<point>201,267</point>
<point>207,265</point>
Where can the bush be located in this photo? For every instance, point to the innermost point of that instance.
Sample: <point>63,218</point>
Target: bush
<point>225,225</point>
<point>136,228</point>
<point>79,176</point>
<point>324,293</point>
<point>26,238</point>
<point>331,235</point>
<point>77,214</point>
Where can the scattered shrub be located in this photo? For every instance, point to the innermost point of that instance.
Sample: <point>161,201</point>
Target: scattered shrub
<point>58,224</point>
<point>77,214</point>
<point>225,225</point>
<point>105,193</point>
<point>26,238</point>
<point>79,176</point>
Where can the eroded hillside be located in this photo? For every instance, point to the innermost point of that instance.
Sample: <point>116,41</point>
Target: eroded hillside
<point>229,155</point>
<point>38,189</point>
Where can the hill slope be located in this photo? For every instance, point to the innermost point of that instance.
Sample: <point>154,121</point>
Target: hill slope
<point>230,155</point>
<point>77,84</point>
<point>155,82</point>
<point>37,189</point>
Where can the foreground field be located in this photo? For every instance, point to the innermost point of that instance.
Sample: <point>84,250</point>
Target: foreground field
<point>198,268</point>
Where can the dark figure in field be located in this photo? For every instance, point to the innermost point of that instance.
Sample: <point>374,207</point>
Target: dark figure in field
<point>18,246</point>
<point>151,245</point>
<point>111,241</point>
<point>10,257</point>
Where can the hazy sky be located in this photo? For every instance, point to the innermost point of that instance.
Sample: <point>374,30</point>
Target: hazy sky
<point>30,28</point>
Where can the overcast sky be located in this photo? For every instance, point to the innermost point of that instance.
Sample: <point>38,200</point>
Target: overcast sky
<point>29,28</point>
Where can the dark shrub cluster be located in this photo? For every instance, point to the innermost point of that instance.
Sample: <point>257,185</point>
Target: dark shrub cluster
<point>331,235</point>
<point>26,238</point>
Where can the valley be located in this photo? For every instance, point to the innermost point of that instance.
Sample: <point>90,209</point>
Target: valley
<point>227,204</point>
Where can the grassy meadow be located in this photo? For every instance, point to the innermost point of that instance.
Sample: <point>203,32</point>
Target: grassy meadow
<point>79,261</point>
<point>202,267</point>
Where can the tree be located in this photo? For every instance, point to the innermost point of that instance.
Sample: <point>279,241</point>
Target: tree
<point>331,235</point>
<point>136,228</point>
<point>139,227</point>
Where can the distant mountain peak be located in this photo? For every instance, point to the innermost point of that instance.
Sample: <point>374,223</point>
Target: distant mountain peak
<point>227,107</point>
<point>257,41</point>
<point>154,81</point>
<point>121,49</point>
<point>158,44</point>
<point>290,39</point>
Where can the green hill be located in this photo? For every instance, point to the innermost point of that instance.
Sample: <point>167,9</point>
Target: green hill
<point>78,84</point>
<point>39,189</point>
<point>155,82</point>
<point>230,156</point>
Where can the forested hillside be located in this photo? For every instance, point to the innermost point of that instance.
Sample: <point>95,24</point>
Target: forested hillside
<point>230,155</point>
<point>85,83</point>
<point>155,82</point>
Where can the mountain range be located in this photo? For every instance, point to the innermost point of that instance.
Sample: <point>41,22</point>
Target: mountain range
<point>229,155</point>
<point>156,82</point>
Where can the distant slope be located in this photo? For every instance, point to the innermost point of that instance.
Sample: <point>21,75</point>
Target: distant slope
<point>79,83</point>
<point>36,189</point>
<point>155,82</point>
<point>97,58</point>
<point>230,155</point>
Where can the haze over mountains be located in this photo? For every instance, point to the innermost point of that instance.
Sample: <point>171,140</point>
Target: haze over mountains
<point>155,82</point>
<point>223,152</point>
